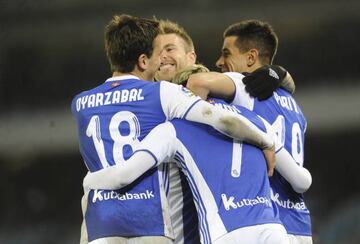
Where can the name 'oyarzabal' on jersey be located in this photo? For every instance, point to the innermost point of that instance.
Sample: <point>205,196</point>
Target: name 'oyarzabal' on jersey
<point>108,98</point>
<point>100,195</point>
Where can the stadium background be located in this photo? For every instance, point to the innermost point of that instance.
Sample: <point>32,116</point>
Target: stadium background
<point>51,50</point>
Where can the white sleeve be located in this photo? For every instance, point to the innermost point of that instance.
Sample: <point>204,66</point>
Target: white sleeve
<point>229,123</point>
<point>157,146</point>
<point>176,100</point>
<point>241,97</point>
<point>161,142</point>
<point>120,175</point>
<point>269,130</point>
<point>299,177</point>
<point>180,102</point>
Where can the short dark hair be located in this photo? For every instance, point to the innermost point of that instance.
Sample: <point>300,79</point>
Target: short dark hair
<point>126,38</point>
<point>255,34</point>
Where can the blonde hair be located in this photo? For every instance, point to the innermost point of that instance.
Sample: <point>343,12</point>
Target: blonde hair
<point>183,75</point>
<point>169,27</point>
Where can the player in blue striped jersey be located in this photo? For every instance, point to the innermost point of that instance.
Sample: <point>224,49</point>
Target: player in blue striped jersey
<point>113,117</point>
<point>178,53</point>
<point>248,47</point>
<point>228,179</point>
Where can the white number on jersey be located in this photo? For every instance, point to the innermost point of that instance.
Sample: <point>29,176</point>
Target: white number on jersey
<point>296,141</point>
<point>93,130</point>
<point>297,144</point>
<point>236,159</point>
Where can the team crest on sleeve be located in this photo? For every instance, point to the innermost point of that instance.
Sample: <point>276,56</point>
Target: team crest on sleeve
<point>187,92</point>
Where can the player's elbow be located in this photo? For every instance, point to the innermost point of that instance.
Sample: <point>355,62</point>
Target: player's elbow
<point>304,184</point>
<point>198,85</point>
<point>195,81</point>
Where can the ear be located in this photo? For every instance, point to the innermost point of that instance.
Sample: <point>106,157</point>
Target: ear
<point>143,62</point>
<point>191,57</point>
<point>252,57</point>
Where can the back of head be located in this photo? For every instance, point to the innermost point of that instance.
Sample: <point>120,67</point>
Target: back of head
<point>255,34</point>
<point>169,27</point>
<point>126,38</point>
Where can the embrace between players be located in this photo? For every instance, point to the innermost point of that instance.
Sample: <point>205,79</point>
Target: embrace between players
<point>168,166</point>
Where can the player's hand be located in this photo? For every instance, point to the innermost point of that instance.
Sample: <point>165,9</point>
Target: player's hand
<point>270,159</point>
<point>263,82</point>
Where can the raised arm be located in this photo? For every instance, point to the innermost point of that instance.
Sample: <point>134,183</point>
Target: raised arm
<point>229,123</point>
<point>190,107</point>
<point>260,84</point>
<point>265,80</point>
<point>212,84</point>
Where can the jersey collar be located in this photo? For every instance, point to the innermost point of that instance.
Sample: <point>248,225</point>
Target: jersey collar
<point>122,77</point>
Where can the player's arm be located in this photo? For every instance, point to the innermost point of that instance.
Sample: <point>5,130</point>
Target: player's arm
<point>120,175</point>
<point>299,177</point>
<point>270,158</point>
<point>229,123</point>
<point>212,84</point>
<point>265,80</point>
<point>156,147</point>
<point>288,83</point>
<point>190,107</point>
<point>260,84</point>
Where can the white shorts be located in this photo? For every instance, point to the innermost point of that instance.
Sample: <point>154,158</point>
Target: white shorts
<point>133,240</point>
<point>257,234</point>
<point>295,239</point>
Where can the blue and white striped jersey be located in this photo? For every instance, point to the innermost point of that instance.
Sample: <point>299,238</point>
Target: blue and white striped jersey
<point>289,123</point>
<point>111,119</point>
<point>228,179</point>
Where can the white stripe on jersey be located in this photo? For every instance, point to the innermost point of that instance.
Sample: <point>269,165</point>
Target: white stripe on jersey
<point>204,232</point>
<point>210,222</point>
<point>176,202</point>
<point>163,177</point>
<point>166,176</point>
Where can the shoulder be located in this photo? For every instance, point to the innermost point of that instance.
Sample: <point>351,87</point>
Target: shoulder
<point>235,76</point>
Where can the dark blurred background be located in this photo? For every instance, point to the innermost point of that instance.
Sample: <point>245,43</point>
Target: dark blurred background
<point>51,50</point>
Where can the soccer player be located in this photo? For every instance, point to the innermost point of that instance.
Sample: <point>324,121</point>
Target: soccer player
<point>227,178</point>
<point>250,46</point>
<point>178,53</point>
<point>114,116</point>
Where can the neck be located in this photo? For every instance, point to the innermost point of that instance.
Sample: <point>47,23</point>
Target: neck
<point>255,67</point>
<point>141,75</point>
